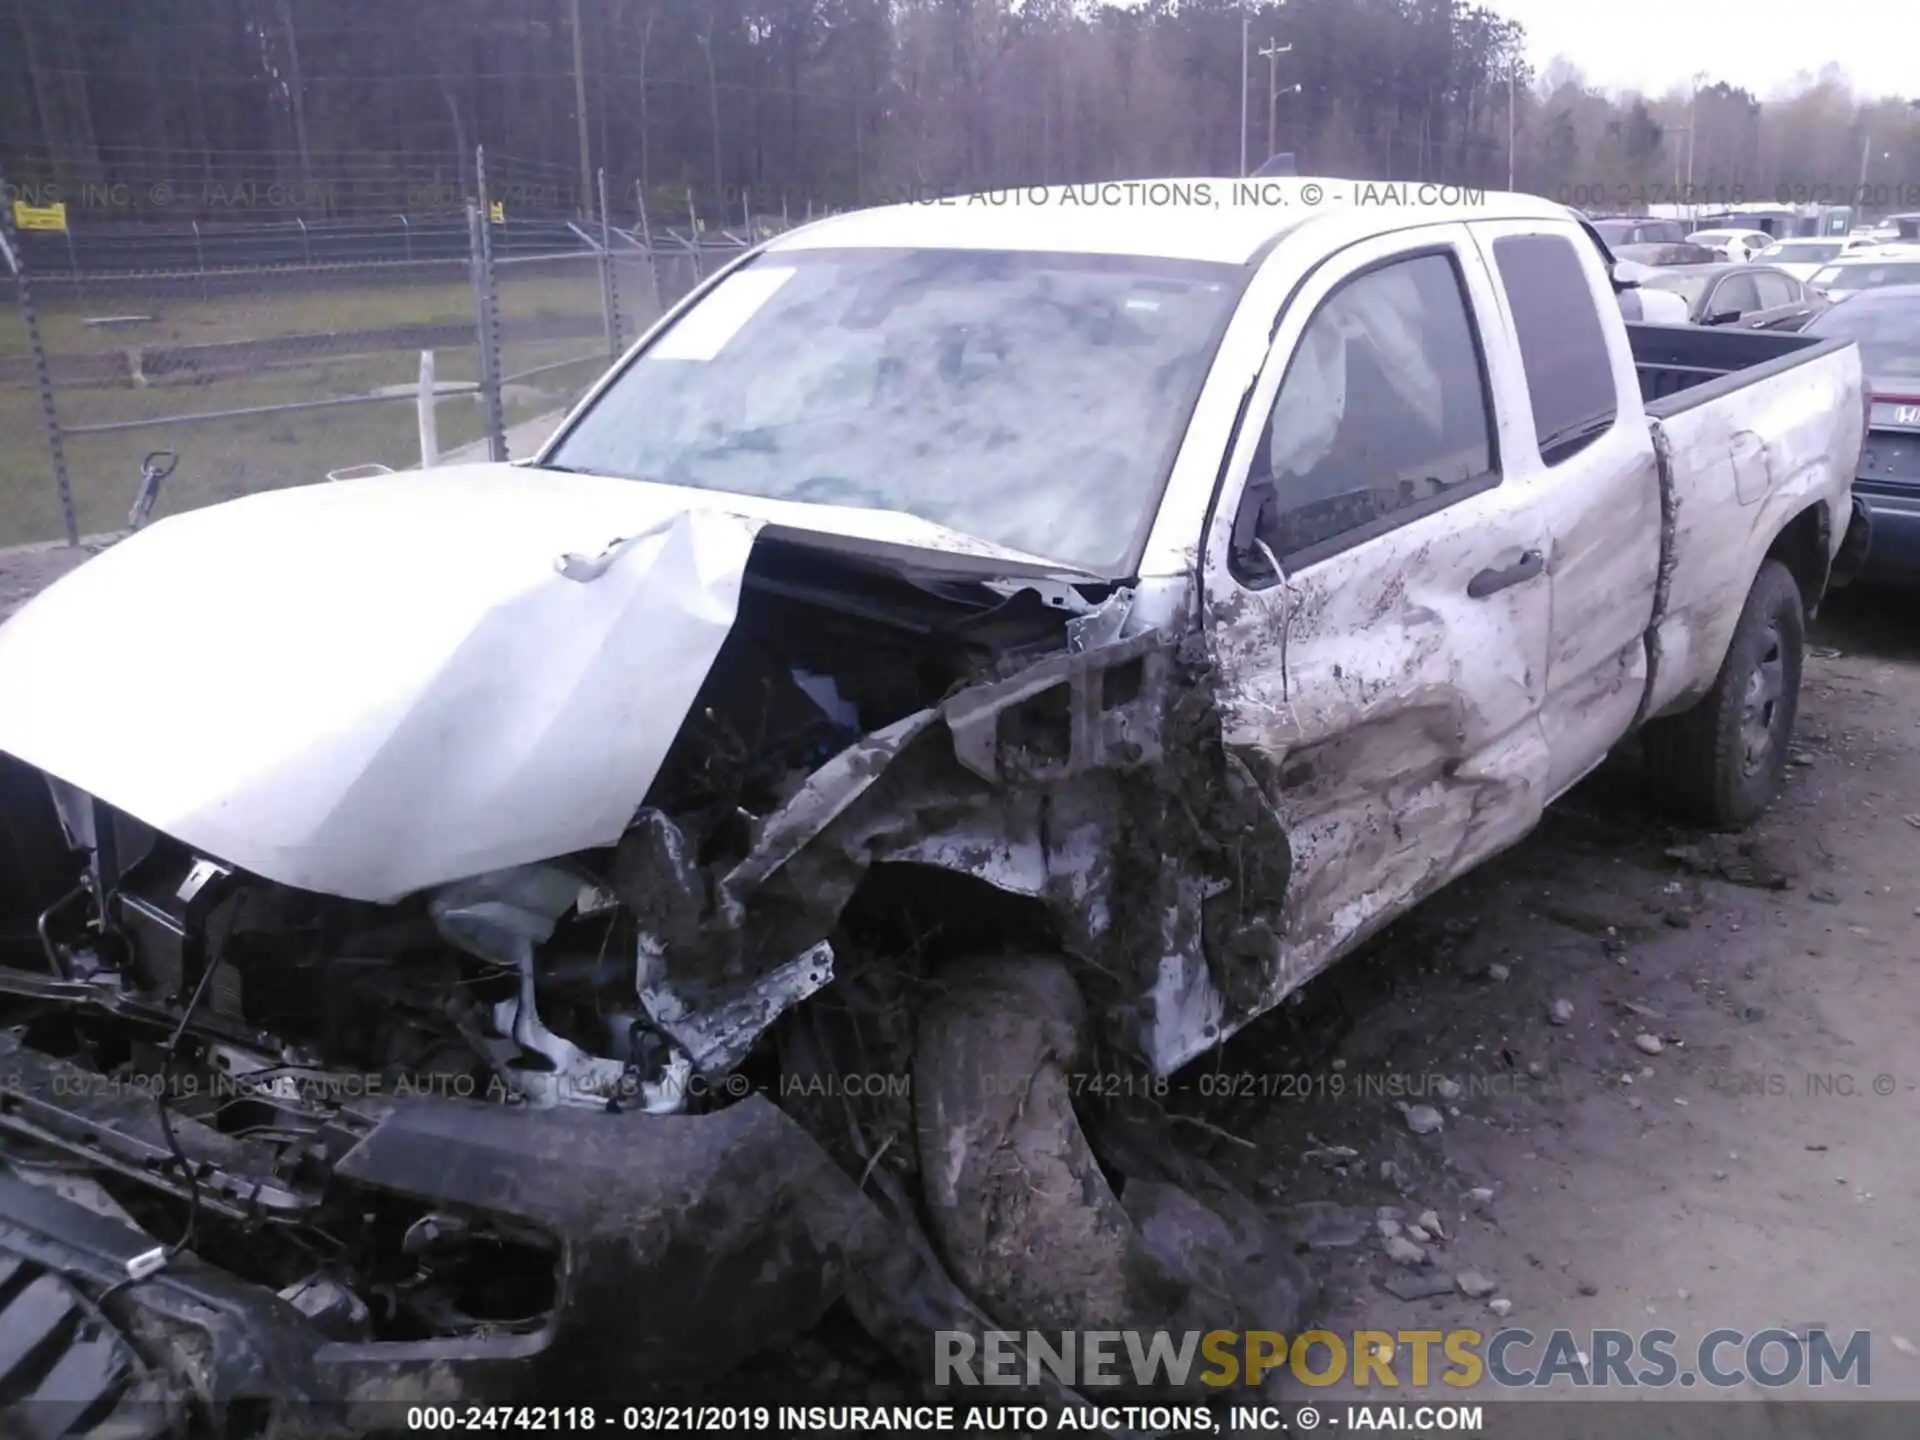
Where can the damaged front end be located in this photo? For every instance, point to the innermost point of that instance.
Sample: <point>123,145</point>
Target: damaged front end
<point>433,1148</point>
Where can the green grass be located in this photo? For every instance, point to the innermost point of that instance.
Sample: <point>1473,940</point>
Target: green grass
<point>222,459</point>
<point>181,317</point>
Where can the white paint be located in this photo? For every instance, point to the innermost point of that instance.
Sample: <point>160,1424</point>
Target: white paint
<point>1191,218</point>
<point>717,1040</point>
<point>1414,731</point>
<point>372,687</point>
<point>1661,307</point>
<point>1744,466</point>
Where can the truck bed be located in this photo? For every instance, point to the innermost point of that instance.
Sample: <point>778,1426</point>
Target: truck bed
<point>1681,366</point>
<point>1752,428</point>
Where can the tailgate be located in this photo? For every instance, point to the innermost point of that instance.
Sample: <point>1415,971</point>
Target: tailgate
<point>1737,465</point>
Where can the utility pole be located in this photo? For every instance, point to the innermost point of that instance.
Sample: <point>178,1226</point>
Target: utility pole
<point>1245,64</point>
<point>1273,52</point>
<point>1866,146</point>
<point>298,94</point>
<point>1693,100</point>
<point>580,108</point>
<point>1510,94</point>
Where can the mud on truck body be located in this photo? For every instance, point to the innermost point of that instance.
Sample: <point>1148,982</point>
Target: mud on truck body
<point>459,925</point>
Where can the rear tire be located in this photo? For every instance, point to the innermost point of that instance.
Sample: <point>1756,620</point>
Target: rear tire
<point>1721,763</point>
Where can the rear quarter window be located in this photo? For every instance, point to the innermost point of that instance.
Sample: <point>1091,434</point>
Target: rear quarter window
<point>1563,347</point>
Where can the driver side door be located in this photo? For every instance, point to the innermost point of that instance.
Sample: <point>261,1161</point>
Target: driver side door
<point>1377,603</point>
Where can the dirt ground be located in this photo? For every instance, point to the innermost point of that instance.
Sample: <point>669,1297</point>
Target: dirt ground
<point>1754,1168</point>
<point>26,570</point>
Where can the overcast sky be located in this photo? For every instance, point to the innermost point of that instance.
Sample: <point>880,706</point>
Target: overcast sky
<point>1653,45</point>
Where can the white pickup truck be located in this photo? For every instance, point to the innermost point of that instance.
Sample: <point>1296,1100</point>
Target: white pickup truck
<point>1021,623</point>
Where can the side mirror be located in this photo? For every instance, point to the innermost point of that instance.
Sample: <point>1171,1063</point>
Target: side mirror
<point>1723,317</point>
<point>1629,273</point>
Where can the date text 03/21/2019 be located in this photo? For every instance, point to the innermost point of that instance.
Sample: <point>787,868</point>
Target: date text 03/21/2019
<point>1282,1085</point>
<point>951,1419</point>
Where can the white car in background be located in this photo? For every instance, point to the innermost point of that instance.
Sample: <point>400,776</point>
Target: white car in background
<point>1802,256</point>
<point>1869,269</point>
<point>1736,245</point>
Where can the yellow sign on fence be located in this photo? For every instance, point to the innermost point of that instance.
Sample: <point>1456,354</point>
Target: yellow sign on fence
<point>499,212</point>
<point>40,217</point>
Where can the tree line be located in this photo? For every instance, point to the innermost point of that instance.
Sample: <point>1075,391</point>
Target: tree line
<point>230,108</point>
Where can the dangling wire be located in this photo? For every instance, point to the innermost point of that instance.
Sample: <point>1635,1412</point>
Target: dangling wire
<point>166,1118</point>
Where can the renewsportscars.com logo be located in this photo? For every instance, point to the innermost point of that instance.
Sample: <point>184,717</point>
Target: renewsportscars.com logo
<point>1513,1358</point>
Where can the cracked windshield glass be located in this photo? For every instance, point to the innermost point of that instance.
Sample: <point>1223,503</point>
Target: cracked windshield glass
<point>1035,401</point>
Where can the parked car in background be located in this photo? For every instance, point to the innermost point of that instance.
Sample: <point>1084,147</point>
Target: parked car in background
<point>1661,256</point>
<point>1754,297</point>
<point>1885,324</point>
<point>1803,258</point>
<point>1868,270</point>
<point>1734,245</point>
<point>1618,230</point>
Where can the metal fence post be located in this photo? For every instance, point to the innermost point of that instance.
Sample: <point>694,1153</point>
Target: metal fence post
<point>646,239</point>
<point>486,310</point>
<point>200,258</point>
<point>429,422</point>
<point>609,289</point>
<point>23,292</point>
<point>693,219</point>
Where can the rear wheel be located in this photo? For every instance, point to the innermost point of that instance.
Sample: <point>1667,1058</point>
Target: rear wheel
<point>1721,763</point>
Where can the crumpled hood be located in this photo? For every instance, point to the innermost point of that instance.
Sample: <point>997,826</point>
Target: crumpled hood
<point>369,687</point>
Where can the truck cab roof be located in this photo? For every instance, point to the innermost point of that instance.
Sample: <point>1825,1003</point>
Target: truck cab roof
<point>1210,218</point>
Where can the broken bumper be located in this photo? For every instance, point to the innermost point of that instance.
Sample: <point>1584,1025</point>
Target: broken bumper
<point>684,1243</point>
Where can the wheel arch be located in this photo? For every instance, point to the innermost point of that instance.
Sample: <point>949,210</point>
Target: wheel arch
<point>1805,546</point>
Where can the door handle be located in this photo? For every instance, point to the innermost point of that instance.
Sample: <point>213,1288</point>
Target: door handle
<point>1491,582</point>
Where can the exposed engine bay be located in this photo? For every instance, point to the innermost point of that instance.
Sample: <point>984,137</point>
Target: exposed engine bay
<point>881,770</point>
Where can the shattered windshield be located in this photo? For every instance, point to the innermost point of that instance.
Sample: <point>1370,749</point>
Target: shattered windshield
<point>1033,400</point>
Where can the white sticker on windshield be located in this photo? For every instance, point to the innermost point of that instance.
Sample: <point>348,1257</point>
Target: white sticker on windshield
<point>703,332</point>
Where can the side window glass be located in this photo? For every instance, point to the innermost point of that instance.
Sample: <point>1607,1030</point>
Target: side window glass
<point>1775,290</point>
<point>1562,347</point>
<point>1735,296</point>
<point>1382,414</point>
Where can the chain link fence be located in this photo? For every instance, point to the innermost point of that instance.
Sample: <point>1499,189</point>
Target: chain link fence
<point>263,356</point>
